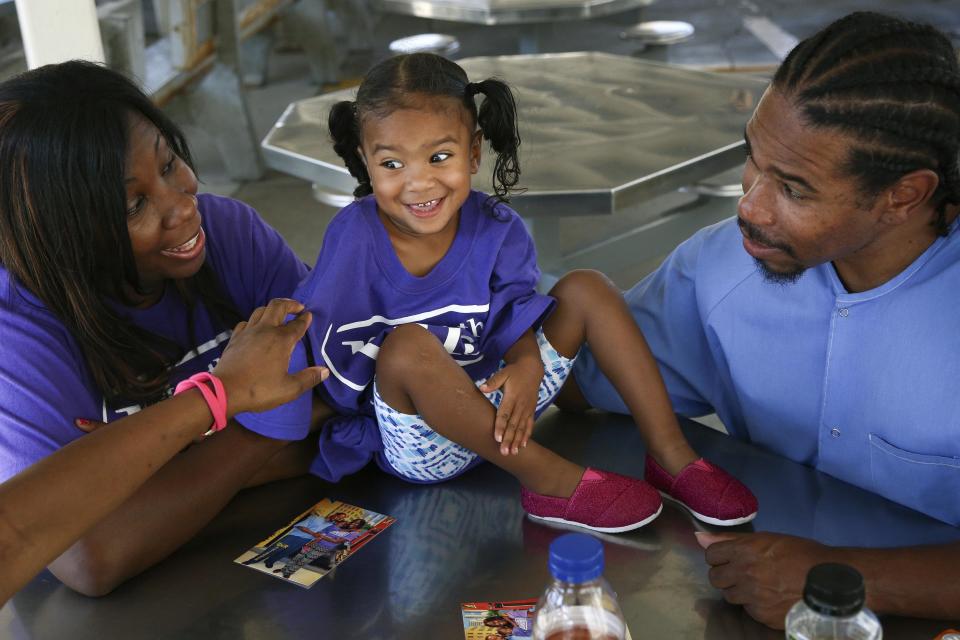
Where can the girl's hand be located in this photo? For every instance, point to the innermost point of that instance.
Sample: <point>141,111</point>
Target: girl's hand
<point>254,364</point>
<point>520,382</point>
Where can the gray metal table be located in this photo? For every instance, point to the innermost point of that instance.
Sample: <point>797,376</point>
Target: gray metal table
<point>467,540</point>
<point>492,12</point>
<point>535,17</point>
<point>602,134</point>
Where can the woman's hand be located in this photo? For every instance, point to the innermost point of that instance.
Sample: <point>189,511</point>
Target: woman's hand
<point>254,364</point>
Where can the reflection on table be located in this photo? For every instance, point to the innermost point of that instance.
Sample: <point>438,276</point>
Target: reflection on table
<point>601,134</point>
<point>467,540</point>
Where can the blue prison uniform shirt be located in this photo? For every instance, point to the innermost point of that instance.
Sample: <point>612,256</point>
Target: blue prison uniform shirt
<point>862,386</point>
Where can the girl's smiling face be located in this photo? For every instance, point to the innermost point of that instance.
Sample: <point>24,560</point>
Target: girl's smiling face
<point>420,159</point>
<point>162,216</point>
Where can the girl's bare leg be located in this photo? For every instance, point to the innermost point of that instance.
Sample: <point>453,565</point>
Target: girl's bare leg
<point>592,310</point>
<point>415,375</point>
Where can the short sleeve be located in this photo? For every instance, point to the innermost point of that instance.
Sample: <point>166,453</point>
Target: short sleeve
<point>515,305</point>
<point>290,421</point>
<point>252,259</point>
<point>44,387</point>
<point>666,308</point>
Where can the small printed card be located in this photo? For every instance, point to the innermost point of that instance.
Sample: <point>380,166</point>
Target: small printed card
<point>500,620</point>
<point>315,542</point>
<point>497,620</point>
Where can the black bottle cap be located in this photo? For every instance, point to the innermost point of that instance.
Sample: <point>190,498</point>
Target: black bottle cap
<point>834,590</point>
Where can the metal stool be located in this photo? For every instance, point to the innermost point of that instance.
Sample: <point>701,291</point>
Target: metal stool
<point>331,197</point>
<point>659,32</point>
<point>438,43</point>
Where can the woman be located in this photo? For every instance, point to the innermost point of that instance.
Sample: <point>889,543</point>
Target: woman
<point>117,281</point>
<point>55,501</point>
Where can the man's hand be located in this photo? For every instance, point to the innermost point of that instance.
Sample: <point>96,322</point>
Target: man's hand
<point>764,572</point>
<point>520,382</point>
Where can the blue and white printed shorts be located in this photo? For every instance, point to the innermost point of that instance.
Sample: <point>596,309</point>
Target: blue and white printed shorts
<point>419,453</point>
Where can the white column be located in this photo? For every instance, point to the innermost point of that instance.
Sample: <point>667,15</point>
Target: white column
<point>59,30</point>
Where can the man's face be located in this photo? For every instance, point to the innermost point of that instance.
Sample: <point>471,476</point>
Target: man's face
<point>799,208</point>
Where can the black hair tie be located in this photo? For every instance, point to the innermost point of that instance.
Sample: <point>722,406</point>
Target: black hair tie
<point>472,89</point>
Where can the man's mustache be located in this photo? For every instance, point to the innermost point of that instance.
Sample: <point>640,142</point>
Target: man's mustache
<point>752,232</point>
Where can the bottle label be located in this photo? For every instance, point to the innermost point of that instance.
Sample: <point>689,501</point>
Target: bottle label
<point>578,623</point>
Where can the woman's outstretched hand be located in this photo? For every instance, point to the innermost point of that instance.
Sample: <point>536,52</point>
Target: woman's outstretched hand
<point>254,364</point>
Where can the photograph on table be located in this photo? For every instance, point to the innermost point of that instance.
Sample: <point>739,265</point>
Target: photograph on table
<point>498,620</point>
<point>315,542</point>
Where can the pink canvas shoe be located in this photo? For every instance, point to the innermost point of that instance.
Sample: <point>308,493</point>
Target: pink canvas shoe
<point>708,492</point>
<point>603,501</point>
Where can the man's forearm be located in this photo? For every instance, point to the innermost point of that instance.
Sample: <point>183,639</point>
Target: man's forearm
<point>291,461</point>
<point>165,512</point>
<point>910,581</point>
<point>51,504</point>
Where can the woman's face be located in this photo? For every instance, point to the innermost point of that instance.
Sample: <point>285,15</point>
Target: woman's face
<point>162,216</point>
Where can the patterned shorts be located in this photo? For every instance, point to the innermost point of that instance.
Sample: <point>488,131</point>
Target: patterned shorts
<point>419,453</point>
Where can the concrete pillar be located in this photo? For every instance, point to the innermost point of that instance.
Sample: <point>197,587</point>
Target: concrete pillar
<point>58,30</point>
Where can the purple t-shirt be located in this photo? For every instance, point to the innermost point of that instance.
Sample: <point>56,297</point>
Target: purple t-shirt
<point>478,300</point>
<point>44,380</point>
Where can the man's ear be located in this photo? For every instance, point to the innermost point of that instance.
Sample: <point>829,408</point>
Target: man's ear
<point>476,149</point>
<point>910,195</point>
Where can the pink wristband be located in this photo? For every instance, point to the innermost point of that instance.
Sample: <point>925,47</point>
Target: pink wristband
<point>216,398</point>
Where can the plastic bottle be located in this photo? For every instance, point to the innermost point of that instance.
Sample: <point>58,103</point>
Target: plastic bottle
<point>579,604</point>
<point>832,607</point>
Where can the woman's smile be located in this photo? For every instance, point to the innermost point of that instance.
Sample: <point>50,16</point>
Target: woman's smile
<point>189,249</point>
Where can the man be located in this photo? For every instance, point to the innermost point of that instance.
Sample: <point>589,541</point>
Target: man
<point>822,323</point>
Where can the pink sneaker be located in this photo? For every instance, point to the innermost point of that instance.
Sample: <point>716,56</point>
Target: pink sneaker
<point>603,501</point>
<point>705,490</point>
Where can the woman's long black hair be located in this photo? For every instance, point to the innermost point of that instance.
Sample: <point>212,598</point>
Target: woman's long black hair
<point>399,82</point>
<point>64,135</point>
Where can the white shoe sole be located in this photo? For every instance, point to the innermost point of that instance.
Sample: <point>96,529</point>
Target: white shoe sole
<point>702,518</point>
<point>629,527</point>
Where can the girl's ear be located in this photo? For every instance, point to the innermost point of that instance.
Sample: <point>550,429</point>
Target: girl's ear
<point>476,146</point>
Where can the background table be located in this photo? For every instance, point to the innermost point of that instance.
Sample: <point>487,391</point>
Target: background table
<point>602,134</point>
<point>536,17</point>
<point>467,540</point>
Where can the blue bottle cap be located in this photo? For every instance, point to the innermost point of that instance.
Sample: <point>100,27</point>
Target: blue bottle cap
<point>576,558</point>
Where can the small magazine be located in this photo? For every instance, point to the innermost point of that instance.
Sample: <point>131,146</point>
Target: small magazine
<point>498,620</point>
<point>315,542</point>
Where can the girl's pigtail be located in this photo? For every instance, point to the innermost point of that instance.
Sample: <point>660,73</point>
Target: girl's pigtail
<point>345,132</point>
<point>497,118</point>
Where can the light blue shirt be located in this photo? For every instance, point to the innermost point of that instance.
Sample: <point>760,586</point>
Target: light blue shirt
<point>863,386</point>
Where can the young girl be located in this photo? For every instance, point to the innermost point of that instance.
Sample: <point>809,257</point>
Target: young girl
<point>437,342</point>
